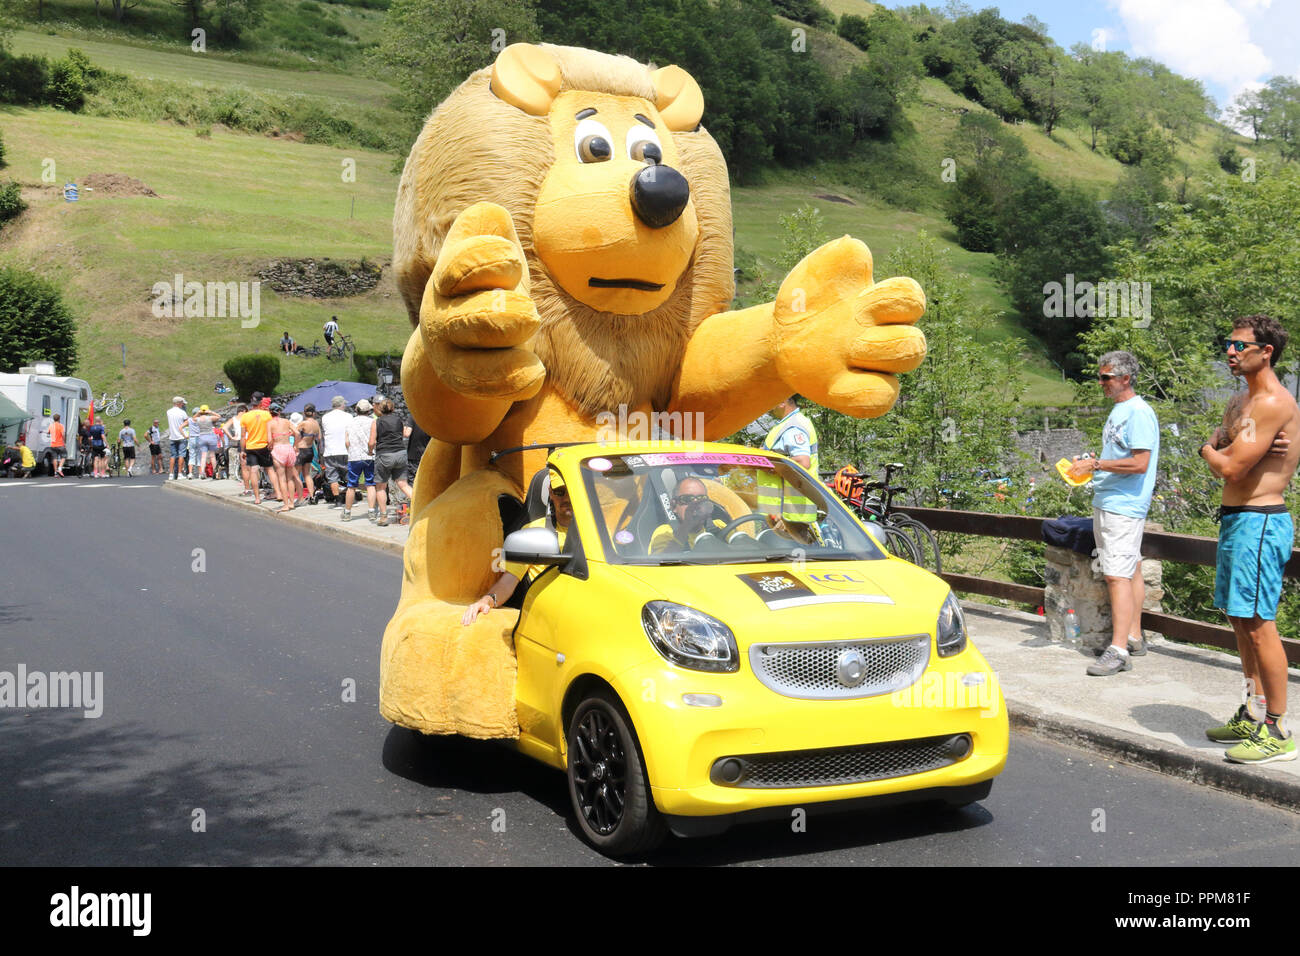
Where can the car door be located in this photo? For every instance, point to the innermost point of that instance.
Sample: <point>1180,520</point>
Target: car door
<point>539,653</point>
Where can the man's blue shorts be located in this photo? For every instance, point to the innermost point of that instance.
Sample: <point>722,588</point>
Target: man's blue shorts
<point>361,469</point>
<point>1254,547</point>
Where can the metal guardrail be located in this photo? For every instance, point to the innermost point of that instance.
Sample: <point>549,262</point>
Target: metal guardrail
<point>1158,545</point>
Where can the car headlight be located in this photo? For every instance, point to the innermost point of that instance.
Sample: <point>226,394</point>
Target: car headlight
<point>951,632</point>
<point>690,638</point>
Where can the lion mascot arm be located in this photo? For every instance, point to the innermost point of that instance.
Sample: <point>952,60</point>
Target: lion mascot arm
<point>833,335</point>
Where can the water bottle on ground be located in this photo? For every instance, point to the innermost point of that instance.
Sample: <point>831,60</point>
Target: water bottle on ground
<point>1073,634</point>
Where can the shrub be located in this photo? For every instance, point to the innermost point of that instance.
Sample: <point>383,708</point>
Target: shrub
<point>23,79</point>
<point>3,162</point>
<point>252,373</point>
<point>11,201</point>
<point>34,323</point>
<point>67,86</point>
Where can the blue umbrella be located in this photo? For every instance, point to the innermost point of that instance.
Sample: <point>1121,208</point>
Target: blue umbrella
<point>322,394</point>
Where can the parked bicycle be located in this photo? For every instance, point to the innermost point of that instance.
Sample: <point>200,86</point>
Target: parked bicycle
<point>110,406</point>
<point>873,501</point>
<point>342,345</point>
<point>314,352</point>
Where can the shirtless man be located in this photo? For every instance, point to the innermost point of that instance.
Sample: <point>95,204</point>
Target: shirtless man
<point>1255,535</point>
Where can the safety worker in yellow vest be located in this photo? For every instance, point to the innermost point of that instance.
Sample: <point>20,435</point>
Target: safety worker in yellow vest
<point>794,436</point>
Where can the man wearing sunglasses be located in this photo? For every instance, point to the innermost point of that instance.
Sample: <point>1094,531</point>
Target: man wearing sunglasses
<point>693,508</point>
<point>1251,453</point>
<point>1125,477</point>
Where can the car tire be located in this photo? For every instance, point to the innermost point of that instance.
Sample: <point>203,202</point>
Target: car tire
<point>608,786</point>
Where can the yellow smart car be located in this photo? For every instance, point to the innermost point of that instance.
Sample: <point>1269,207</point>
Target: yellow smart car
<point>715,636</point>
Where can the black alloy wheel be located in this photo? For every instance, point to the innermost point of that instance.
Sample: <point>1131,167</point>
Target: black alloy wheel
<point>607,780</point>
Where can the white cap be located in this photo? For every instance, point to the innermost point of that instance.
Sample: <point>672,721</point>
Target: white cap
<point>178,400</point>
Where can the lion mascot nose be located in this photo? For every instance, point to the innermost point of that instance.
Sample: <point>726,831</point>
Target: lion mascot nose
<point>659,194</point>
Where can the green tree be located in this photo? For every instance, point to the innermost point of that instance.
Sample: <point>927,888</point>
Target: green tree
<point>1049,233</point>
<point>955,413</point>
<point>1095,92</point>
<point>1281,124</point>
<point>1247,111</point>
<point>428,47</point>
<point>854,29</point>
<point>35,323</point>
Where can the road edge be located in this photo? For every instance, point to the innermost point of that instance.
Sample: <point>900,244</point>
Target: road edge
<point>290,520</point>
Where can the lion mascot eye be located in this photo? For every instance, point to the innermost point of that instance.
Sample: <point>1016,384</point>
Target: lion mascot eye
<point>592,142</point>
<point>643,146</point>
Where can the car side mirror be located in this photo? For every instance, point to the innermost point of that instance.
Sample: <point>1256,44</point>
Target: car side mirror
<point>535,546</point>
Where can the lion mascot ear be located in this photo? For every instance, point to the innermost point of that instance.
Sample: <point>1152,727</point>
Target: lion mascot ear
<point>678,99</point>
<point>527,77</point>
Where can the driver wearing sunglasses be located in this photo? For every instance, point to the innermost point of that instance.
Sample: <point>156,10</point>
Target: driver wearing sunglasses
<point>693,508</point>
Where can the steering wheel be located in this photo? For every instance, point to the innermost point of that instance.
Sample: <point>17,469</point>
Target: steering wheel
<point>737,522</point>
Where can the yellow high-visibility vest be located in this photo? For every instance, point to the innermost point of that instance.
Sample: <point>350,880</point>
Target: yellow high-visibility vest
<point>773,497</point>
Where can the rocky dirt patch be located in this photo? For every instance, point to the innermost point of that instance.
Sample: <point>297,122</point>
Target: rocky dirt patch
<point>113,184</point>
<point>321,278</point>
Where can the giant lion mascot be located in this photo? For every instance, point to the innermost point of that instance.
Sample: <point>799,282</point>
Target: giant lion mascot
<point>563,243</point>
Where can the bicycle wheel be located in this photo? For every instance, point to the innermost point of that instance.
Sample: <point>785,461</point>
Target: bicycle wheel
<point>927,545</point>
<point>899,544</point>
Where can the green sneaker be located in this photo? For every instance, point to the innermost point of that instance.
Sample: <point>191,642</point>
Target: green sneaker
<point>1262,747</point>
<point>1238,728</point>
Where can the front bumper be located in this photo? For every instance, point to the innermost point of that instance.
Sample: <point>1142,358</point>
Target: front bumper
<point>949,729</point>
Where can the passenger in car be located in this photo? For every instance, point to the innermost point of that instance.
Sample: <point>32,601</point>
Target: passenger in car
<point>504,586</point>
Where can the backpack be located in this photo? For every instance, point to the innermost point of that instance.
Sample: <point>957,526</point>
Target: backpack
<point>1070,531</point>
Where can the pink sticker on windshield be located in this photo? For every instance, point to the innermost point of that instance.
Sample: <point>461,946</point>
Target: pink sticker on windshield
<point>707,458</point>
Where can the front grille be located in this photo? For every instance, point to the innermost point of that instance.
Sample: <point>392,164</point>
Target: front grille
<point>840,765</point>
<point>840,670</point>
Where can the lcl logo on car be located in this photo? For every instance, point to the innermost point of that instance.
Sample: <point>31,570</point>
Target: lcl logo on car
<point>840,580</point>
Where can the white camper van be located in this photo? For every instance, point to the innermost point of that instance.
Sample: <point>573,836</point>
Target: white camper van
<point>40,394</point>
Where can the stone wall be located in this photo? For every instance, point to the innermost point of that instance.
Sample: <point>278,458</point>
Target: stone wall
<point>1072,582</point>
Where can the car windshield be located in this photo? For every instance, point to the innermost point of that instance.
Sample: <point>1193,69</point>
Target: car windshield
<point>718,508</point>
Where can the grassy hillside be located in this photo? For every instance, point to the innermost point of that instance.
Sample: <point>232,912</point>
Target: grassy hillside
<point>177,63</point>
<point>295,34</point>
<point>230,203</point>
<point>227,205</point>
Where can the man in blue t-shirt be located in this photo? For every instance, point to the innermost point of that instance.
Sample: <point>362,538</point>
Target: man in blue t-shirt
<point>98,450</point>
<point>1130,449</point>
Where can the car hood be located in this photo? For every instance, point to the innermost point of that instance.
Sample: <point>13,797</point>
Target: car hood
<point>816,601</point>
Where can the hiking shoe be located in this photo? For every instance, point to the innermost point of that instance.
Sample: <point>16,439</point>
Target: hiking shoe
<point>372,514</point>
<point>1137,646</point>
<point>1262,747</point>
<point>347,515</point>
<point>383,521</point>
<point>1238,728</point>
<point>1110,662</point>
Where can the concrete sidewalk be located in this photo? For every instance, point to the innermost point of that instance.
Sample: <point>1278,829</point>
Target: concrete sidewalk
<point>1153,716</point>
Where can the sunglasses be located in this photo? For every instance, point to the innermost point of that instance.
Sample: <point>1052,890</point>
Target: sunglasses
<point>690,499</point>
<point>1106,377</point>
<point>560,492</point>
<point>1237,344</point>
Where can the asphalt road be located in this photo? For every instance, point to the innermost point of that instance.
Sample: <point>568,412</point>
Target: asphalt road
<point>225,737</point>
